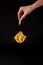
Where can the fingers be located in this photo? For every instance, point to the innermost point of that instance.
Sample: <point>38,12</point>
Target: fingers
<point>23,16</point>
<point>20,13</point>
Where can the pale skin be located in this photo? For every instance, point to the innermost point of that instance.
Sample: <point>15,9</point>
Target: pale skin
<point>25,10</point>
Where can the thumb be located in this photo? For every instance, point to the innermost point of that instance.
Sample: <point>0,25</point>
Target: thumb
<point>23,16</point>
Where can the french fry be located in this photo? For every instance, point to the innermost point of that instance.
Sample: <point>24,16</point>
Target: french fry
<point>19,21</point>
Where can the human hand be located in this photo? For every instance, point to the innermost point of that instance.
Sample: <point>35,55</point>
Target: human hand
<point>24,11</point>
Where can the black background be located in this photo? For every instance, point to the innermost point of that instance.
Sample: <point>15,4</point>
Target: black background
<point>32,26</point>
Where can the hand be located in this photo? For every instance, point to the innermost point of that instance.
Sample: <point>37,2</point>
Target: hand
<point>24,11</point>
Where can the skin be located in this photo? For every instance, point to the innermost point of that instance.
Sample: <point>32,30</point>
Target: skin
<point>25,10</point>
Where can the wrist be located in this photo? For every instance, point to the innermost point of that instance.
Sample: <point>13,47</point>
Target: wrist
<point>37,4</point>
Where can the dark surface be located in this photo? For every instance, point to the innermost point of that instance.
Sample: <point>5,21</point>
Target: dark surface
<point>32,26</point>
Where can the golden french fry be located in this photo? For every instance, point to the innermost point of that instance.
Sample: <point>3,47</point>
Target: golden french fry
<point>19,21</point>
<point>20,37</point>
